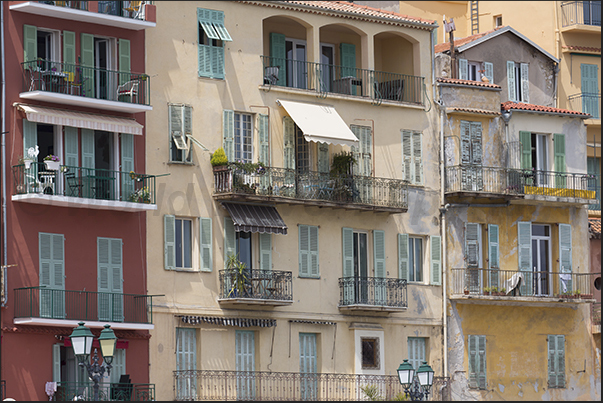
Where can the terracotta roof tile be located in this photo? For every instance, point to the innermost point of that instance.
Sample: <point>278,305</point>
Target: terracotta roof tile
<point>594,225</point>
<point>582,48</point>
<point>539,108</point>
<point>467,82</point>
<point>475,110</point>
<point>442,47</point>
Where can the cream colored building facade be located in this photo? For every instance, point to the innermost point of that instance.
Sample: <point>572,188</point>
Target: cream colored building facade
<point>354,286</point>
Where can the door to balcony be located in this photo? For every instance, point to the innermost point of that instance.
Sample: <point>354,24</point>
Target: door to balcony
<point>245,362</point>
<point>541,259</point>
<point>360,244</point>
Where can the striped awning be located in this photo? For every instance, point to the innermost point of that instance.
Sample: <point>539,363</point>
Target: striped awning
<point>82,120</point>
<point>256,218</point>
<point>237,322</point>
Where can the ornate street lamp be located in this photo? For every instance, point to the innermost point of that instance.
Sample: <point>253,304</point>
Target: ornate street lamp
<point>416,384</point>
<point>81,340</point>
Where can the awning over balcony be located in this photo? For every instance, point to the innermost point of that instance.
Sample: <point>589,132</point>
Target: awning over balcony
<point>237,322</point>
<point>320,123</point>
<point>82,120</point>
<point>254,218</point>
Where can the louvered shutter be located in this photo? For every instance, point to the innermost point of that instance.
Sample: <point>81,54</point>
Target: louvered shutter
<point>176,128</point>
<point>71,149</point>
<point>103,283</point>
<point>289,142</point>
<point>87,63</point>
<point>347,53</point>
<point>187,123</point>
<point>565,257</point>
<point>472,349</point>
<point>230,240</point>
<point>323,158</point>
<point>205,19</point>
<point>30,43</point>
<point>348,264</point>
<point>590,89</point>
<point>218,24</point>
<point>436,259</point>
<point>524,239</point>
<point>472,244</point>
<point>407,171</point>
<point>466,177</point>
<point>403,256</point>
<point>526,149</point>
<point>556,361</point>
<point>559,158</point>
<point>169,241</point>
<point>560,361</point>
<point>489,71</point>
<point>264,139</point>
<point>481,360</point>
<point>186,359</point>
<point>88,161</point>
<point>217,62</point>
<point>118,365</point>
<point>205,244</point>
<point>69,57</point>
<point>265,241</point>
<point>307,353</point>
<point>124,60</point>
<point>228,134</point>
<point>116,260</point>
<point>45,253</point>
<point>493,255</point>
<point>304,250</point>
<point>416,351</point>
<point>127,165</point>
<point>278,53</point>
<point>30,136</point>
<point>463,69</point>
<point>52,275</point>
<point>511,81</point>
<point>379,267</point>
<point>205,60</point>
<point>314,267</point>
<point>417,153</point>
<point>56,363</point>
<point>525,83</point>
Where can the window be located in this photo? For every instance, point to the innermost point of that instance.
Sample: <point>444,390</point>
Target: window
<point>589,77</point>
<point>183,243</point>
<point>244,245</point>
<point>473,245</point>
<point>308,251</point>
<point>471,156</point>
<point>475,71</point>
<point>518,83</point>
<point>186,360</point>
<point>238,138</point>
<point>308,365</point>
<point>245,361</point>
<point>412,157</point>
<point>410,258</point>
<point>52,275</point>
<point>591,12</point>
<point>415,259</point>
<point>180,122</point>
<point>593,166</point>
<point>110,279</point>
<point>212,35</point>
<point>498,22</point>
<point>356,272</point>
<point>185,237</point>
<point>243,139</point>
<point>416,351</point>
<point>477,361</point>
<point>370,353</point>
<point>556,360</point>
<point>536,155</point>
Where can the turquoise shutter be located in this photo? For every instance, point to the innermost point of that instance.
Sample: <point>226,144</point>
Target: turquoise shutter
<point>124,60</point>
<point>525,83</point>
<point>88,160</point>
<point>559,158</point>
<point>481,360</point>
<point>417,154</point>
<point>87,63</point>
<point>304,250</point>
<point>264,139</point>
<point>472,349</point>
<point>289,142</point>
<point>526,149</point>
<point>436,259</point>
<point>30,136</point>
<point>69,57</point>
<point>218,24</point>
<point>407,156</point>
<point>110,279</point>
<point>56,363</point>
<point>71,148</point>
<point>323,158</point>
<point>565,256</point>
<point>379,267</point>
<point>30,43</point>
<point>416,351</point>
<point>560,361</point>
<point>472,244</point>
<point>347,54</point>
<point>245,350</point>
<point>118,365</point>
<point>524,240</point>
<point>205,244</point>
<point>230,246</point>
<point>463,69</point>
<point>117,279</point>
<point>204,17</point>
<point>52,275</point>
<point>403,256</point>
<point>493,255</point>
<point>347,236</point>
<point>313,236</point>
<point>265,241</point>
<point>169,241</point>
<point>307,354</point>
<point>278,53</point>
<point>556,361</point>
<point>127,165</point>
<point>228,134</point>
<point>103,283</point>
<point>489,71</point>
<point>590,89</point>
<point>511,81</point>
<point>186,360</point>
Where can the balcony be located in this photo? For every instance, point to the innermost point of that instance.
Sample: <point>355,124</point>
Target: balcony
<point>326,79</point>
<point>581,16</point>
<point>76,85</point>
<point>256,287</point>
<point>292,386</point>
<point>78,187</point>
<point>280,185</point>
<point>587,103</point>
<point>138,392</point>
<point>51,307</point>
<point>595,314</point>
<point>130,15</point>
<point>536,288</point>
<point>477,183</point>
<point>372,294</point>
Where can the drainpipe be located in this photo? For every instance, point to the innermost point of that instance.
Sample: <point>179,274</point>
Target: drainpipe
<point>3,159</point>
<point>443,209</point>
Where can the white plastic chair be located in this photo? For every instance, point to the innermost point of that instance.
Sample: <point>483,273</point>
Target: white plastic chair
<point>129,88</point>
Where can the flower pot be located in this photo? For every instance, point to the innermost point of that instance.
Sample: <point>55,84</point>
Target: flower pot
<point>27,163</point>
<point>220,168</point>
<point>466,292</point>
<point>52,165</point>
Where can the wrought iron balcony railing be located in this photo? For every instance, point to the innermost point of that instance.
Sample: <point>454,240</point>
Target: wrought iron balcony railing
<point>543,284</point>
<point>587,103</point>
<point>581,13</point>
<point>277,183</point>
<point>522,182</point>
<point>288,386</point>
<point>595,311</point>
<point>85,183</point>
<point>43,302</point>
<point>256,284</point>
<point>127,9</point>
<point>138,392</point>
<point>85,81</point>
<point>78,5</point>
<point>332,79</point>
<point>372,291</point>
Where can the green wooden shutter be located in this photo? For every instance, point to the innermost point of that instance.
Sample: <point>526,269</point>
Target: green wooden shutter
<point>69,57</point>
<point>481,360</point>
<point>169,241</point>
<point>30,139</point>
<point>526,149</point>
<point>71,148</point>
<point>87,63</point>
<point>228,134</point>
<point>493,256</point>
<point>379,267</point>
<point>556,361</point>
<point>289,142</point>
<point>264,136</point>
<point>110,279</point>
<point>230,240</point>
<point>347,236</point>
<point>463,69</point>
<point>524,241</point>
<point>304,250</point>
<point>45,254</point>
<point>117,278</point>
<point>489,71</point>
<point>88,159</point>
<point>278,53</point>
<point>30,43</point>
<point>205,244</point>
<point>525,83</point>
<point>436,259</point>
<point>323,158</point>
<point>347,54</point>
<point>472,349</point>
<point>590,89</point>
<point>407,166</point>
<point>511,81</point>
<point>472,244</point>
<point>118,365</point>
<point>103,283</point>
<point>56,363</point>
<point>559,158</point>
<point>313,237</point>
<point>560,361</point>
<point>403,256</point>
<point>417,153</point>
<point>124,60</point>
<point>52,275</point>
<point>127,165</point>
<point>265,241</point>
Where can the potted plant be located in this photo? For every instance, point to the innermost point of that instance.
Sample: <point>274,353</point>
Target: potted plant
<point>25,161</point>
<point>466,291</point>
<point>237,273</point>
<point>141,195</point>
<point>218,160</point>
<point>52,162</point>
<point>341,172</point>
<point>487,290</point>
<point>502,292</point>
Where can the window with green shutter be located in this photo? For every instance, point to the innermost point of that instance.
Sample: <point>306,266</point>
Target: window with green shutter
<point>589,74</point>
<point>52,275</point>
<point>118,366</point>
<point>463,69</point>
<point>211,38</point>
<point>245,361</point>
<point>308,365</point>
<point>493,256</point>
<point>436,259</point>
<point>416,351</point>
<point>127,165</point>
<point>403,256</point>
<point>524,244</point>
<point>556,360</point>
<point>180,124</point>
<point>186,360</point>
<point>308,251</point>
<point>110,279</point>
<point>205,244</point>
<point>412,157</point>
<point>477,361</point>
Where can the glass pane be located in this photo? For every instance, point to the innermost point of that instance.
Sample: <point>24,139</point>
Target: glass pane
<point>362,243</point>
<point>244,248</point>
<point>411,259</point>
<point>186,242</point>
<point>178,243</point>
<point>419,259</point>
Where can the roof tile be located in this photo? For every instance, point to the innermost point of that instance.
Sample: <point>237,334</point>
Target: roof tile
<point>539,108</point>
<point>582,48</point>
<point>467,82</point>
<point>442,47</point>
<point>594,225</point>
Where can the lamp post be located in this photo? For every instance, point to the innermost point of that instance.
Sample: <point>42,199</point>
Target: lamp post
<point>81,340</point>
<point>416,390</point>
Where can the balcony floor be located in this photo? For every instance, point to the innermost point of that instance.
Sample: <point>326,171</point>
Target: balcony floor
<point>371,308</point>
<point>73,323</point>
<point>547,302</point>
<point>76,100</point>
<point>77,202</point>
<point>253,301</point>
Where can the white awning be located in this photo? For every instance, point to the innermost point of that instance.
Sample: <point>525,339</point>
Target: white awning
<point>320,123</point>
<point>80,119</point>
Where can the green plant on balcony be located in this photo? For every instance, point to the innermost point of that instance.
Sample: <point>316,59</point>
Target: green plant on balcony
<point>142,195</point>
<point>487,290</point>
<point>238,276</point>
<point>252,168</point>
<point>341,172</point>
<point>371,393</point>
<point>218,158</point>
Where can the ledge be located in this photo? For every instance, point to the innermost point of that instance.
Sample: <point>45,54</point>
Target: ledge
<point>77,100</point>
<point>550,302</point>
<point>253,301</point>
<point>74,323</point>
<point>77,202</point>
<point>373,308</point>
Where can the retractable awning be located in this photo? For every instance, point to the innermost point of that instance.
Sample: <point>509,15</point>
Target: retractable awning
<point>320,123</point>
<point>255,218</point>
<point>82,120</point>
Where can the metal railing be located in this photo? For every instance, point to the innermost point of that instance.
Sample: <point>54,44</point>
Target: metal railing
<point>256,284</point>
<point>85,81</point>
<point>127,9</point>
<point>587,103</point>
<point>595,312</point>
<point>78,5</point>
<point>312,185</point>
<point>545,284</point>
<point>329,78</point>
<point>509,181</point>
<point>138,392</point>
<point>373,291</point>
<point>43,302</point>
<point>84,183</point>
<point>281,386</point>
<point>581,12</point>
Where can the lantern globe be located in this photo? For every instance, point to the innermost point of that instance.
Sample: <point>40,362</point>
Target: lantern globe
<point>81,341</point>
<point>425,375</point>
<point>107,342</point>
<point>406,373</point>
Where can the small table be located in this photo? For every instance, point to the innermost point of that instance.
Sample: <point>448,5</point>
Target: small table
<point>47,181</point>
<point>53,78</point>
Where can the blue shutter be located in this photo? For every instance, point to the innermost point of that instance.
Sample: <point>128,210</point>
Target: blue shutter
<point>186,360</point>
<point>565,257</point>
<point>56,363</point>
<point>590,89</point>
<point>228,134</point>
<point>477,361</point>
<point>436,259</point>
<point>88,159</point>
<point>289,142</point>
<point>403,256</point>
<point>559,158</point>
<point>264,136</point>
<point>556,361</point>
<point>110,279</point>
<point>407,156</point>
<point>304,250</point>
<point>511,81</point>
<point>278,53</point>
<point>205,244</point>
<point>463,69</point>
<point>472,233</point>
<point>524,244</point>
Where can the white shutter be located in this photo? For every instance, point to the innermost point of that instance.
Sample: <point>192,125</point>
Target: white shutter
<point>205,244</point>
<point>511,81</point>
<point>525,83</point>
<point>489,71</point>
<point>436,259</point>
<point>463,69</point>
<point>403,256</point>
